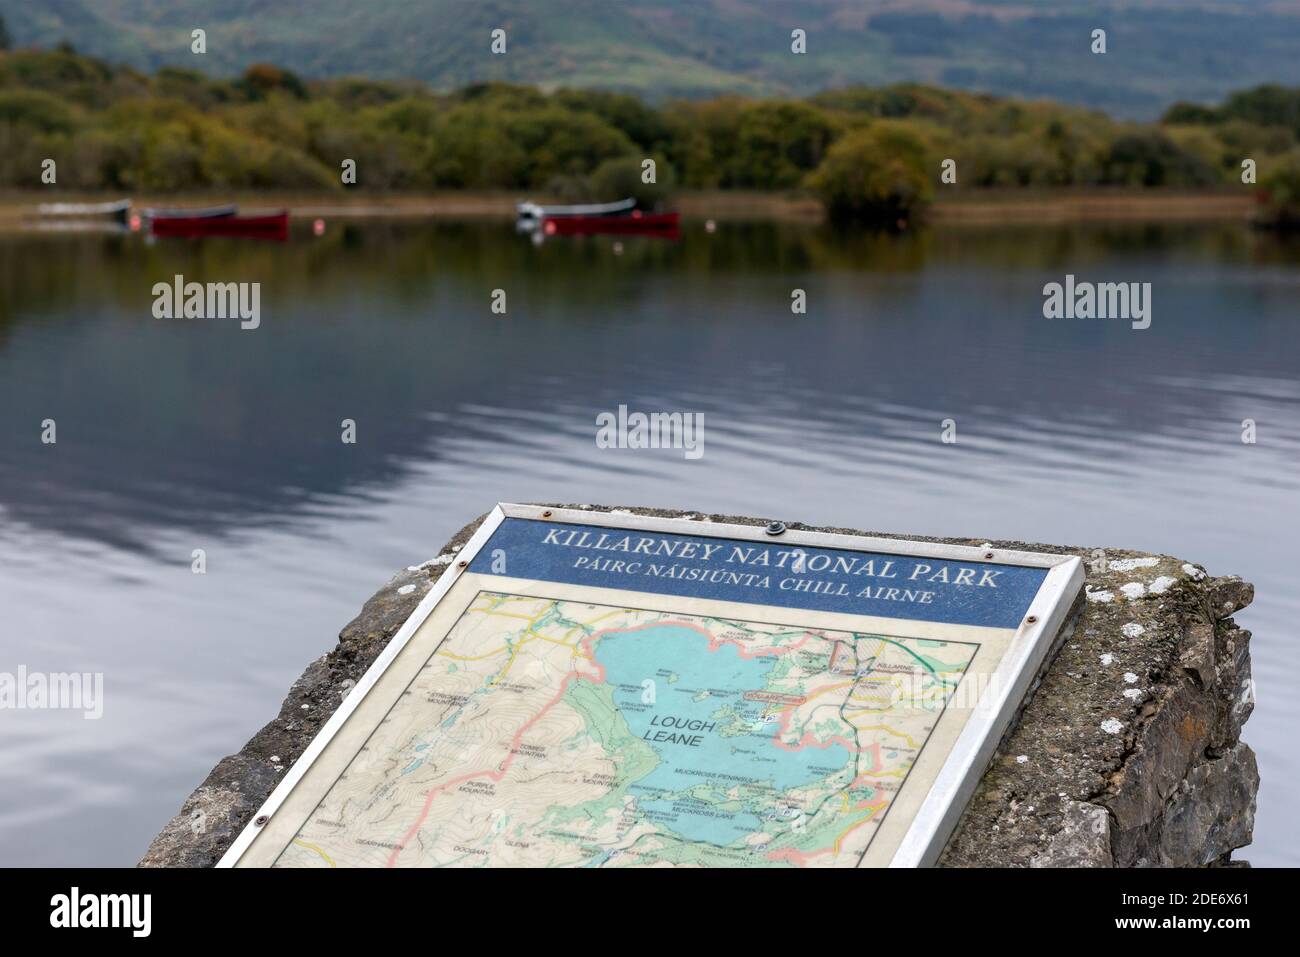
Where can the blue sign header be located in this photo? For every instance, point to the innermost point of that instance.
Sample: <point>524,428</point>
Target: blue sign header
<point>763,573</point>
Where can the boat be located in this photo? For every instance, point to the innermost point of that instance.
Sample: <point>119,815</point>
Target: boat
<point>531,215</point>
<point>110,227</point>
<point>202,212</point>
<point>635,223</point>
<point>118,210</point>
<point>271,226</point>
<point>528,210</point>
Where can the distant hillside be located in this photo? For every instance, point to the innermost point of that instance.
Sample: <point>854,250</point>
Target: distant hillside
<point>1159,50</point>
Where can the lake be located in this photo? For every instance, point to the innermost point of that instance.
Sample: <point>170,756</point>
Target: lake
<point>175,436</point>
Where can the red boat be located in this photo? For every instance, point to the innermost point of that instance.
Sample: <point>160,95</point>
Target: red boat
<point>635,223</point>
<point>274,226</point>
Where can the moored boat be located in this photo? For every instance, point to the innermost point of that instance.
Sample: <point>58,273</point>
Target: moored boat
<point>271,226</point>
<point>531,215</point>
<point>118,210</point>
<point>538,211</point>
<point>200,212</point>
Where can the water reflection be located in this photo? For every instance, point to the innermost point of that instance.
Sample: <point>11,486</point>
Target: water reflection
<point>200,426</point>
<point>174,434</point>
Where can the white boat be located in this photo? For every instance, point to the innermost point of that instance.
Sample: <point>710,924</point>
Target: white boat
<point>118,210</point>
<point>531,214</point>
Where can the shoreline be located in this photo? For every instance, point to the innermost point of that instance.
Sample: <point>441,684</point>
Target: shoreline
<point>982,207</point>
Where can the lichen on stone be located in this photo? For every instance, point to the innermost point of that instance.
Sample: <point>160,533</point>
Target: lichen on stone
<point>1173,785</point>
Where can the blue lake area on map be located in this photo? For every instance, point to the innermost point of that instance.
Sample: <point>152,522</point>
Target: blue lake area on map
<point>708,737</point>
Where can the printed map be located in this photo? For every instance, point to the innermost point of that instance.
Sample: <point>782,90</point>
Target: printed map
<point>549,733</point>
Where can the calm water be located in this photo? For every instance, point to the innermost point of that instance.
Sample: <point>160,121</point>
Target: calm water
<point>174,436</point>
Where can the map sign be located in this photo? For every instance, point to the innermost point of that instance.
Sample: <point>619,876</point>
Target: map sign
<point>557,716</point>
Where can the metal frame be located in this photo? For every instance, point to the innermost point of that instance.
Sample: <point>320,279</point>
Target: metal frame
<point>960,773</point>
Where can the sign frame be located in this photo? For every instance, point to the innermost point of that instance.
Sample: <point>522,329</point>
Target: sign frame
<point>955,783</point>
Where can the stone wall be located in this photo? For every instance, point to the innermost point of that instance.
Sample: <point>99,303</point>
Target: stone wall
<point>1127,753</point>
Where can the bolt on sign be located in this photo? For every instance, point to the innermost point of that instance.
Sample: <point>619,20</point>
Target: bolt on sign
<point>599,689</point>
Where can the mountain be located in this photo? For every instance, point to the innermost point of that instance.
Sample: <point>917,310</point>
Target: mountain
<point>1159,51</point>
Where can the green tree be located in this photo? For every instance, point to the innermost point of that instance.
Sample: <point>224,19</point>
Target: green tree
<point>262,79</point>
<point>620,178</point>
<point>1192,114</point>
<point>1148,157</point>
<point>1268,105</point>
<point>643,124</point>
<point>777,144</point>
<point>34,110</point>
<point>482,144</point>
<point>1280,193</point>
<point>877,175</point>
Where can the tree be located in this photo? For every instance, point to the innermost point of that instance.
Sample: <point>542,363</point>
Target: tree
<point>262,79</point>
<point>5,40</point>
<point>1268,105</point>
<point>1280,193</point>
<point>1191,114</point>
<point>777,144</point>
<point>622,177</point>
<point>1147,157</point>
<point>878,175</point>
